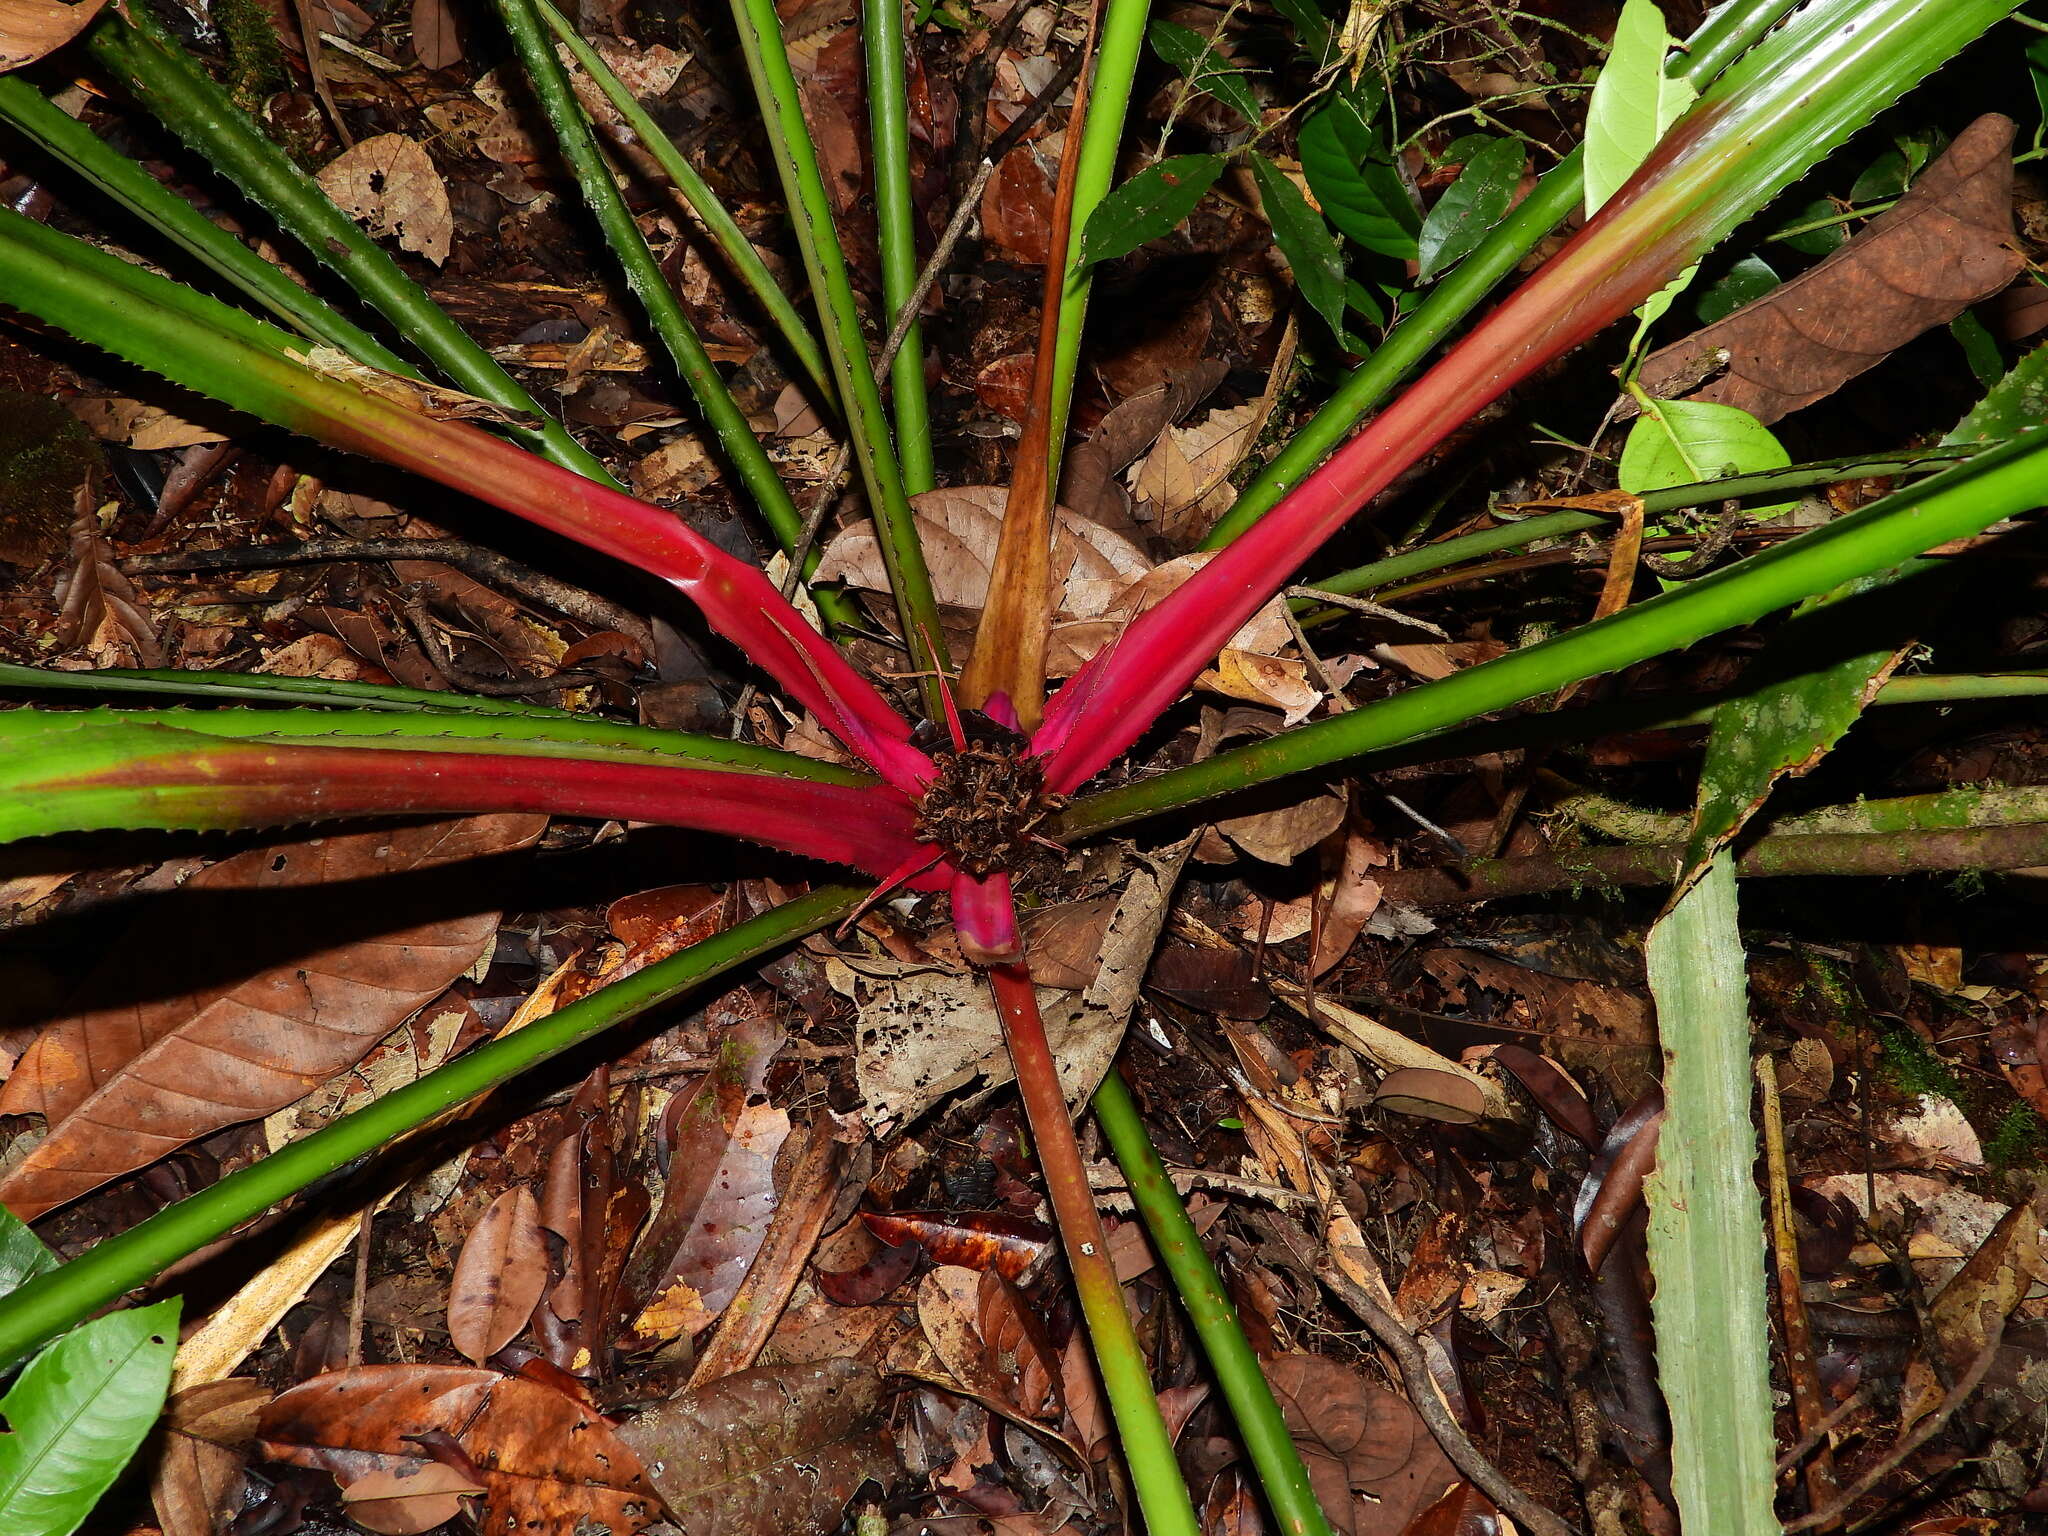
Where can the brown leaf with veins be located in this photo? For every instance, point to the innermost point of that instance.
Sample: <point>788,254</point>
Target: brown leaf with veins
<point>1358,1439</point>
<point>390,185</point>
<point>124,1082</point>
<point>545,1461</point>
<point>778,1449</point>
<point>31,28</point>
<point>100,610</point>
<point>1943,246</point>
<point>201,1463</point>
<point>499,1276</point>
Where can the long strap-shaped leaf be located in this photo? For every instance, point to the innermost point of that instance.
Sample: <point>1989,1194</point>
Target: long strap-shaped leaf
<point>178,90</point>
<point>1802,92</point>
<point>100,769</point>
<point>205,346</point>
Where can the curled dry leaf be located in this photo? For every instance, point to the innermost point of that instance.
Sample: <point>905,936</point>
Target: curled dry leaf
<point>147,428</point>
<point>1358,1439</point>
<point>408,1502</point>
<point>389,184</point>
<point>202,1456</point>
<point>1103,580</point>
<point>952,1309</point>
<point>100,610</point>
<point>779,1450</point>
<point>544,1460</point>
<point>1969,1315</point>
<point>1432,1095</point>
<point>974,1240</point>
<point>31,28</point>
<point>1183,484</point>
<point>1943,246</point>
<point>124,1082</point>
<point>499,1276</point>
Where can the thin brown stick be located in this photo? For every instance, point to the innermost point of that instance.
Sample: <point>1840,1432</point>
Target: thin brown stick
<point>1928,1428</point>
<point>1807,1401</point>
<point>1422,1394</point>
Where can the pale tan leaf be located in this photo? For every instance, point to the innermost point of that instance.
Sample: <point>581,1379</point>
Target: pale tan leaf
<point>389,185</point>
<point>31,28</point>
<point>408,1502</point>
<point>499,1276</point>
<point>144,427</point>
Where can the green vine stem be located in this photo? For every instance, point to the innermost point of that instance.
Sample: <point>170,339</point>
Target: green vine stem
<point>1718,43</point>
<point>186,99</point>
<point>1126,1379</point>
<point>810,211</point>
<point>725,232</point>
<point>46,1306</point>
<point>629,247</point>
<point>1445,553</point>
<point>881,23</point>
<point>113,173</point>
<point>1986,805</point>
<point>1963,500</point>
<point>1117,49</point>
<point>1260,1423</point>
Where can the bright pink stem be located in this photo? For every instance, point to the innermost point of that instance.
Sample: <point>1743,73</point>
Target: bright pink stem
<point>253,784</point>
<point>1636,244</point>
<point>740,603</point>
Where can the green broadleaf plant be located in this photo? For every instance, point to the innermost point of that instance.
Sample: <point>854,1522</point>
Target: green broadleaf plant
<point>1470,206</point>
<point>897,817</point>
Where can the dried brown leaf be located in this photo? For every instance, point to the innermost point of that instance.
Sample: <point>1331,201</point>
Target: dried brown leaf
<point>100,610</point>
<point>408,1502</point>
<point>196,1482</point>
<point>122,1082</point>
<point>31,28</point>
<point>1943,246</point>
<point>499,1276</point>
<point>436,39</point>
<point>389,185</point>
<point>776,1451</point>
<point>545,1461</point>
<point>1355,1439</point>
<point>1431,1095</point>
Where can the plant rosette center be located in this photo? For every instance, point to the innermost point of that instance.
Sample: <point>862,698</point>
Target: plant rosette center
<point>986,803</point>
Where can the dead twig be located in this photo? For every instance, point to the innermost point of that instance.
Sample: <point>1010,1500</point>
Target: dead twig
<point>1422,1394</point>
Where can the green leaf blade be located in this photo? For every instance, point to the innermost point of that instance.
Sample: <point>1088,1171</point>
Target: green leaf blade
<point>1470,206</point>
<point>1706,1224</point>
<point>1680,442</point>
<point>1152,203</point>
<point>1634,101</point>
<point>76,1415</point>
<point>1305,240</point>
<point>22,1254</point>
<point>1197,57</point>
<point>1351,172</point>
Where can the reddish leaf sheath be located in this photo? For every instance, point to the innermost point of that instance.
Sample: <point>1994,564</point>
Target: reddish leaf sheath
<point>221,784</point>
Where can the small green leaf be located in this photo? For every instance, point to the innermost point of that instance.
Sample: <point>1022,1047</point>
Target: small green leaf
<point>22,1254</point>
<point>2037,71</point>
<point>1364,301</point>
<point>1470,206</point>
<point>1305,240</point>
<point>1893,171</point>
<point>1152,203</point>
<point>1196,57</point>
<point>2017,402</point>
<point>76,1414</point>
<point>1744,283</point>
<point>1980,348</point>
<point>1351,173</point>
<point>1311,27</point>
<point>1634,101</point>
<point>1678,442</point>
<point>1819,241</point>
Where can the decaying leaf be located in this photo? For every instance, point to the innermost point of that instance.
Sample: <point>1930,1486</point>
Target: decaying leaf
<point>781,1448</point>
<point>925,1031</point>
<point>1943,246</point>
<point>1432,1095</point>
<point>390,185</point>
<point>99,608</point>
<point>408,1502</point>
<point>1969,1315</point>
<point>1358,1439</point>
<point>123,1082</point>
<point>31,28</point>
<point>545,1460</point>
<point>720,1195</point>
<point>1183,484</point>
<point>202,1455</point>
<point>499,1276</point>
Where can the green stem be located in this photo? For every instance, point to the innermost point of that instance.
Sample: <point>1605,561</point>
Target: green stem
<point>178,683</point>
<point>171,83</point>
<point>128,184</point>
<point>1260,1422</point>
<point>810,211</point>
<point>1117,50</point>
<point>1712,49</point>
<point>2000,482</point>
<point>1550,525</point>
<point>46,1306</point>
<point>1126,1380</point>
<point>896,223</point>
<point>643,274</point>
<point>720,225</point>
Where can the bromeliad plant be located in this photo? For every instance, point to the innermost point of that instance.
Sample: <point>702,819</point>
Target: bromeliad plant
<point>1008,783</point>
